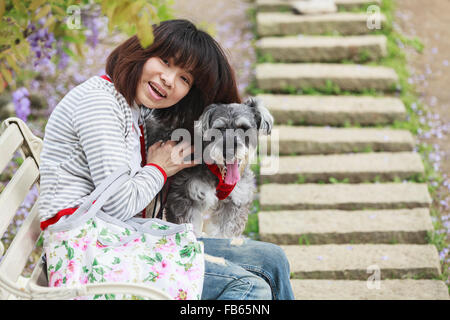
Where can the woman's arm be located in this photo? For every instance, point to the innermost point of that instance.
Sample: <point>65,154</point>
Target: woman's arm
<point>100,123</point>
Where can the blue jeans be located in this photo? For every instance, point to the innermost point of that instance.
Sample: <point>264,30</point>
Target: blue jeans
<point>244,269</point>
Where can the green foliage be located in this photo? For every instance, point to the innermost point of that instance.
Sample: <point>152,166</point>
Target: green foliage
<point>252,226</point>
<point>134,16</point>
<point>303,240</point>
<point>334,180</point>
<point>364,55</point>
<point>264,58</point>
<point>128,16</point>
<point>301,179</point>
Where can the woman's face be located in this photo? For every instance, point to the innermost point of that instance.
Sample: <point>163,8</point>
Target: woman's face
<point>162,84</point>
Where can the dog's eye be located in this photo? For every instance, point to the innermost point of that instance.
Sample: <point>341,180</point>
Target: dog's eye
<point>242,124</point>
<point>219,125</point>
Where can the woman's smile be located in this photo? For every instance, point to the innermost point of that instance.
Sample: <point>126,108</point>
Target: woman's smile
<point>156,91</point>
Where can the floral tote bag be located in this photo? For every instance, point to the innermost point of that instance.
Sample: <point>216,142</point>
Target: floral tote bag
<point>90,246</point>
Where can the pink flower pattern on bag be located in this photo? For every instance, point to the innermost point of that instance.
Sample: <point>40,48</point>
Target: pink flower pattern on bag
<point>94,253</point>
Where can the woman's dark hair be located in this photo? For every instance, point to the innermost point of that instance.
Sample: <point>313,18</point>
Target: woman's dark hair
<point>192,49</point>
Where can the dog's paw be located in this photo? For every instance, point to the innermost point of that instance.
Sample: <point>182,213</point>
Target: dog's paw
<point>199,191</point>
<point>242,195</point>
<point>195,193</point>
<point>201,195</point>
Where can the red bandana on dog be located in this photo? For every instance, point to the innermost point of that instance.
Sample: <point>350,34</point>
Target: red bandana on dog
<point>223,189</point>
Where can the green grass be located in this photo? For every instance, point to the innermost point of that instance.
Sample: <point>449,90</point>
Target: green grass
<point>303,240</point>
<point>333,180</point>
<point>252,227</point>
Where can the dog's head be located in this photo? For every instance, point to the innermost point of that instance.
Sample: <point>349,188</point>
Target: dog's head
<point>230,134</point>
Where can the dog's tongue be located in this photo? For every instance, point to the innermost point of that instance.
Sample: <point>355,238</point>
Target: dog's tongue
<point>232,175</point>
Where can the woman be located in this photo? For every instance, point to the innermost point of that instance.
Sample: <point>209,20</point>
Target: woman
<point>98,127</point>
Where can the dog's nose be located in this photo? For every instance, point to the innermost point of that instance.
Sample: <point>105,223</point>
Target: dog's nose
<point>229,153</point>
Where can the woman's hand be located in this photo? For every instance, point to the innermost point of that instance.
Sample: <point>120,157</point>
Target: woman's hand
<point>170,155</point>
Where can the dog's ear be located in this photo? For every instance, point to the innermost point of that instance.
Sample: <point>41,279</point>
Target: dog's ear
<point>203,123</point>
<point>264,119</point>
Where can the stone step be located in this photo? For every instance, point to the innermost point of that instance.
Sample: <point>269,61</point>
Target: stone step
<point>314,7</point>
<point>327,140</point>
<point>361,261</point>
<point>281,76</point>
<point>406,289</point>
<point>356,167</point>
<point>352,4</point>
<point>334,110</point>
<point>280,5</point>
<point>340,23</point>
<point>275,196</point>
<point>340,226</point>
<point>323,48</point>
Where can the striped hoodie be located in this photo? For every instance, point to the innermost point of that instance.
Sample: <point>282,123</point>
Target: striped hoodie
<point>88,135</point>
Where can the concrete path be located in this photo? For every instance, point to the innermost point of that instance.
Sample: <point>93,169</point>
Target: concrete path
<point>365,238</point>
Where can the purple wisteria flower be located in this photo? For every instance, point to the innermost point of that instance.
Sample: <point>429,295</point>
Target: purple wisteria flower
<point>30,198</point>
<point>21,103</point>
<point>93,25</point>
<point>64,58</point>
<point>443,253</point>
<point>41,43</point>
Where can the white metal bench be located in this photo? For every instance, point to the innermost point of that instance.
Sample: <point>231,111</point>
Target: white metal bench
<point>16,136</point>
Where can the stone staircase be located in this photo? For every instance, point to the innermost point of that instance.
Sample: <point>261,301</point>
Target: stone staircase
<point>323,48</point>
<point>340,237</point>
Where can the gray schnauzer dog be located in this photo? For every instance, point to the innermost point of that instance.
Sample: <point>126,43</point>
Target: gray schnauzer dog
<point>204,194</point>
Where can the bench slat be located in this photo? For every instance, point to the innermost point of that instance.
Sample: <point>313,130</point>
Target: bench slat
<point>16,190</point>
<point>16,136</point>
<point>24,242</point>
<point>10,141</point>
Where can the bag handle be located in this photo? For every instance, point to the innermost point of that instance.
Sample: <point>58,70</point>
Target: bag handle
<point>100,195</point>
<point>105,184</point>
